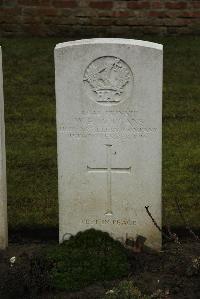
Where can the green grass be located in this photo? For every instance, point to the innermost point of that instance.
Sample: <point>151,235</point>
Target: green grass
<point>125,290</point>
<point>31,130</point>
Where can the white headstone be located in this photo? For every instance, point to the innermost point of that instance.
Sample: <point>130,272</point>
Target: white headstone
<point>3,195</point>
<point>109,119</point>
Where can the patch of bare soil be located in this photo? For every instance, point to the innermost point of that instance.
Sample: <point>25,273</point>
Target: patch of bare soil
<point>173,273</point>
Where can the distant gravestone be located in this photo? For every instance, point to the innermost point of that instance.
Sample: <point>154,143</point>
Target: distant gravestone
<point>3,195</point>
<point>109,119</point>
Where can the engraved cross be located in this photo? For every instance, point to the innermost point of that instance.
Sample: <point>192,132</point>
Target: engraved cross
<point>109,170</point>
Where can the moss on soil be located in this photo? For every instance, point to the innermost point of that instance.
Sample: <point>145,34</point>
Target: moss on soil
<point>86,258</point>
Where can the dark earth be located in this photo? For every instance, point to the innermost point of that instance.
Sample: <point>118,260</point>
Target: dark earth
<point>173,273</point>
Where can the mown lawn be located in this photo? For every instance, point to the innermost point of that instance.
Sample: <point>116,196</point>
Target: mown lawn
<point>31,130</point>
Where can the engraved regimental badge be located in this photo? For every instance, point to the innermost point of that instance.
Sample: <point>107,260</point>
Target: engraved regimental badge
<point>108,80</point>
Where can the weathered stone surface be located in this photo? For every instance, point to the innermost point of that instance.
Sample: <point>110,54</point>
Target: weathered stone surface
<point>109,119</point>
<point>3,195</point>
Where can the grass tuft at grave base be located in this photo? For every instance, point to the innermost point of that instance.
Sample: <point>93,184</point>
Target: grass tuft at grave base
<point>92,265</point>
<point>86,258</point>
<point>31,130</point>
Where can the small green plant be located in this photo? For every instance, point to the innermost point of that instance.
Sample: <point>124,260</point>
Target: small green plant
<point>86,258</point>
<point>125,290</point>
<point>194,267</point>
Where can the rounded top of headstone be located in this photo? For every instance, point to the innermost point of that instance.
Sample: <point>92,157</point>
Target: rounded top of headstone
<point>121,41</point>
